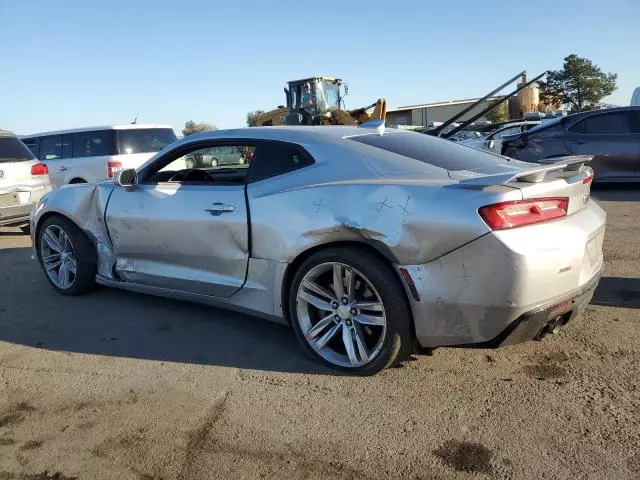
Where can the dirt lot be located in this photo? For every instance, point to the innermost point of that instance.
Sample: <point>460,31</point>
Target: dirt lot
<point>121,386</point>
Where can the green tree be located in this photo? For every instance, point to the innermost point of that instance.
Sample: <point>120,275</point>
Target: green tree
<point>580,84</point>
<point>252,116</point>
<point>499,114</point>
<point>192,127</point>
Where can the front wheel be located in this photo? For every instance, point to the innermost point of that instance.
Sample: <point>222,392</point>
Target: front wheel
<point>349,311</point>
<point>67,256</point>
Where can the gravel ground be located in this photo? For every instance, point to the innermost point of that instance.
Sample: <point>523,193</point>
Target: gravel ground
<point>116,385</point>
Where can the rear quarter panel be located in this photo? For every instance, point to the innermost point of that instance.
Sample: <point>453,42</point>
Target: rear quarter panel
<point>409,221</point>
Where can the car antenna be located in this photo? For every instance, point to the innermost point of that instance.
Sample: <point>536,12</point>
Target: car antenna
<point>135,119</point>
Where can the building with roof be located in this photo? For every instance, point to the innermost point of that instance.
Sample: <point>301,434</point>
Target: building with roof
<point>424,114</point>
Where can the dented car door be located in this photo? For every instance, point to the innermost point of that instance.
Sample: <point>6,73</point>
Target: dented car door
<point>188,238</point>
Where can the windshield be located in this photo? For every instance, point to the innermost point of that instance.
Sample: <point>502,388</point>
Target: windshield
<point>13,150</point>
<point>144,140</point>
<point>327,96</point>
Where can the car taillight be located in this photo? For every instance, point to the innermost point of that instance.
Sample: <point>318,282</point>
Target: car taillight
<point>113,168</point>
<point>588,178</point>
<point>500,216</point>
<point>39,169</point>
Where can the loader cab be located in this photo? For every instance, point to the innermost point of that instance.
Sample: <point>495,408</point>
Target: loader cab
<point>310,99</point>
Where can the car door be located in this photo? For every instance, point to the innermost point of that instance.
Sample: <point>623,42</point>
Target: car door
<point>182,229</point>
<point>612,140</point>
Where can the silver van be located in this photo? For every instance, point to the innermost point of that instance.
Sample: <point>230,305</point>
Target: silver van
<point>88,155</point>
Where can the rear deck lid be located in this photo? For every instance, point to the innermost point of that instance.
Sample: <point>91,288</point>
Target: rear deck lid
<point>565,177</point>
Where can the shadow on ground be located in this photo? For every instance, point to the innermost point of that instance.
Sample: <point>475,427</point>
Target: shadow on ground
<point>117,323</point>
<point>618,292</point>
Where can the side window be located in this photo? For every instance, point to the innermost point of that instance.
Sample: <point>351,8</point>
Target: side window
<point>226,164</point>
<point>608,123</point>
<point>67,150</point>
<point>33,144</point>
<point>50,148</point>
<point>93,144</point>
<point>276,158</point>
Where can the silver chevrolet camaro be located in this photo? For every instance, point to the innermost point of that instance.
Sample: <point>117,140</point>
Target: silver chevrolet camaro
<point>365,240</point>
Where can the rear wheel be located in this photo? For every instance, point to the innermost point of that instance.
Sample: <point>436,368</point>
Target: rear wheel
<point>214,162</point>
<point>349,311</point>
<point>67,256</point>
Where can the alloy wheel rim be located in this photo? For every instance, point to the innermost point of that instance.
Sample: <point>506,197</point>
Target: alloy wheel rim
<point>58,257</point>
<point>341,315</point>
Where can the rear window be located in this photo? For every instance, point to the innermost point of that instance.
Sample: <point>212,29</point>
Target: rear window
<point>546,124</point>
<point>13,150</point>
<point>144,140</point>
<point>434,151</point>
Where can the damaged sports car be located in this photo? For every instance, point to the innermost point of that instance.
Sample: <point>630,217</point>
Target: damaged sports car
<point>365,240</point>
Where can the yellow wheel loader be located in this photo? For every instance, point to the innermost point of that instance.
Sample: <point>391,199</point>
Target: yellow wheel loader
<point>320,101</point>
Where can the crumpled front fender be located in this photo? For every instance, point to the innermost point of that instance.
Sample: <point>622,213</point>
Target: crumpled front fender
<point>84,204</point>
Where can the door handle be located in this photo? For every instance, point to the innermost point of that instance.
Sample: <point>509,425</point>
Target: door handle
<point>63,168</point>
<point>219,208</point>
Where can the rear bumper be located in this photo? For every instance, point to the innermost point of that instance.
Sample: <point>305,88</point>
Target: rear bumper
<point>15,215</point>
<point>483,291</point>
<point>534,324</point>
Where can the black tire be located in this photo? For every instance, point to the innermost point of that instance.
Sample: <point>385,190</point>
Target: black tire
<point>85,255</point>
<point>398,343</point>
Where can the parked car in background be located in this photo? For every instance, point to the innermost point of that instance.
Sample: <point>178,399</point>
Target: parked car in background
<point>465,135</point>
<point>363,240</point>
<point>88,155</point>
<point>493,141</point>
<point>218,157</point>
<point>23,181</point>
<point>612,136</point>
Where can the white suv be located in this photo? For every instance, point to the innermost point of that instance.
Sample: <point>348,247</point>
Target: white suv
<point>88,155</point>
<point>23,180</point>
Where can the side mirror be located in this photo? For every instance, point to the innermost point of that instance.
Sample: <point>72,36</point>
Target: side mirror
<point>490,144</point>
<point>127,178</point>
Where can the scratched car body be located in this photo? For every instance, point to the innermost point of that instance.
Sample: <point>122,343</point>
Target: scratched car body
<point>364,240</point>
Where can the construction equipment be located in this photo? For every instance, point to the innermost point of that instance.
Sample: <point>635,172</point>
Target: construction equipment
<point>320,101</point>
<point>440,131</point>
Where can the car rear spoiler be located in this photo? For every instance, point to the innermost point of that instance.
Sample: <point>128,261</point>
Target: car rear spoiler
<point>532,175</point>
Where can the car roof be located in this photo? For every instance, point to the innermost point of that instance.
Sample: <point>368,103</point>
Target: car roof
<point>602,110</point>
<point>517,124</point>
<point>127,126</point>
<point>294,134</point>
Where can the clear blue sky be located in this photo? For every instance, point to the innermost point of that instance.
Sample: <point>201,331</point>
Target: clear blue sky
<point>76,63</point>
